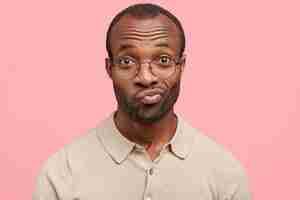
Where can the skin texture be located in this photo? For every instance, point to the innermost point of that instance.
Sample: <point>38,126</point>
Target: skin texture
<point>144,39</point>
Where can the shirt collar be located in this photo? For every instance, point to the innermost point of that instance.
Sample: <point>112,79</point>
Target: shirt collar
<point>183,139</point>
<point>119,147</point>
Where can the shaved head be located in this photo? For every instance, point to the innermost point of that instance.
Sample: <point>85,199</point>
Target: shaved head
<point>144,12</point>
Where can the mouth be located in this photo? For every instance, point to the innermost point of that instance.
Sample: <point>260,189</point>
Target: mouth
<point>150,97</point>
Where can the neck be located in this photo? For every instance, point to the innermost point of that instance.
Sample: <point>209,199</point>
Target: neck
<point>150,135</point>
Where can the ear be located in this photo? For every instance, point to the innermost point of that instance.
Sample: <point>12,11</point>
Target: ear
<point>108,66</point>
<point>182,62</point>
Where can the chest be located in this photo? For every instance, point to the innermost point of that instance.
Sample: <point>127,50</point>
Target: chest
<point>135,181</point>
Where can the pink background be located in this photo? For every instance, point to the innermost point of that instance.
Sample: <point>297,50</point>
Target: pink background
<point>241,85</point>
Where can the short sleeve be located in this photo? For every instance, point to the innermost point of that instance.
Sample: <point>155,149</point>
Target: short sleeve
<point>44,189</point>
<point>54,181</point>
<point>238,188</point>
<point>242,192</point>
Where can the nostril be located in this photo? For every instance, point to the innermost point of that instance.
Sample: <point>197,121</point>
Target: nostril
<point>146,78</point>
<point>146,84</point>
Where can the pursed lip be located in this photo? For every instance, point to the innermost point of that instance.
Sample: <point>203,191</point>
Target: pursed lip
<point>149,92</point>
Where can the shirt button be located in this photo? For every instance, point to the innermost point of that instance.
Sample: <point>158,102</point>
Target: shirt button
<point>151,171</point>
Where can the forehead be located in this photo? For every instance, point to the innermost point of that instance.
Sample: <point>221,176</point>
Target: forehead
<point>134,32</point>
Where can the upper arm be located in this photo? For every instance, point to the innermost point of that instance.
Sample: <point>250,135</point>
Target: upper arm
<point>237,186</point>
<point>54,181</point>
<point>241,191</point>
<point>44,189</point>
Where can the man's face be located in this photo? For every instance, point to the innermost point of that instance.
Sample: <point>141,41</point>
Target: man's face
<point>146,97</point>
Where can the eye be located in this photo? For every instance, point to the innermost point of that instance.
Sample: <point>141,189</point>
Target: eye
<point>125,61</point>
<point>164,60</point>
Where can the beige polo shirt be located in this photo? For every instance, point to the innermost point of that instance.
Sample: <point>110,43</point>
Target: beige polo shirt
<point>104,165</point>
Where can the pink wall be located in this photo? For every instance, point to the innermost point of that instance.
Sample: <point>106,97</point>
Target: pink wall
<point>241,85</point>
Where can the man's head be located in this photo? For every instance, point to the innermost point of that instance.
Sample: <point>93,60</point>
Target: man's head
<point>145,11</point>
<point>145,44</point>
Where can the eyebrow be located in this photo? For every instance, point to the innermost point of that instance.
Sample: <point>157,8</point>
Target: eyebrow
<point>125,46</point>
<point>163,44</point>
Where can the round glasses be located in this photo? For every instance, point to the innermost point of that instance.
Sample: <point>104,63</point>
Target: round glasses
<point>162,66</point>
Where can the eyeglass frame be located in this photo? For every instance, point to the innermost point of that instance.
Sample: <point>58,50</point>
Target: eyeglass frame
<point>177,61</point>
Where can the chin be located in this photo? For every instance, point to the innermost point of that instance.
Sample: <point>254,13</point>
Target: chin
<point>150,113</point>
<point>148,119</point>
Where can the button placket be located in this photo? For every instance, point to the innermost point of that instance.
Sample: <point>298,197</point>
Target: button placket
<point>149,184</point>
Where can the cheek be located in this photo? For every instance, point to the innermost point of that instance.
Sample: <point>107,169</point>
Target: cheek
<point>124,87</point>
<point>172,81</point>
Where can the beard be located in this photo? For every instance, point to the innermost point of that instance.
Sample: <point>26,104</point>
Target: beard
<point>144,113</point>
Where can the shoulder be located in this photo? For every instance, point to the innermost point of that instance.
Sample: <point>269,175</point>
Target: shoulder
<point>223,170</point>
<point>74,160</point>
<point>62,161</point>
<point>205,147</point>
<point>84,151</point>
<point>207,154</point>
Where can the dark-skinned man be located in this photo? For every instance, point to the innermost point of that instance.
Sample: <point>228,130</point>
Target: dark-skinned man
<point>143,150</point>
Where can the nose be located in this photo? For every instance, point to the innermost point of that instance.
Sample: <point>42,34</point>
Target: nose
<point>145,77</point>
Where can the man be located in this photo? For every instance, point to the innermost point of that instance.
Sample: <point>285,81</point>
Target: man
<point>143,150</point>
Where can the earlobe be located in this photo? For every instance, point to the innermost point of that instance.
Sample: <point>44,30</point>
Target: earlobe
<point>108,67</point>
